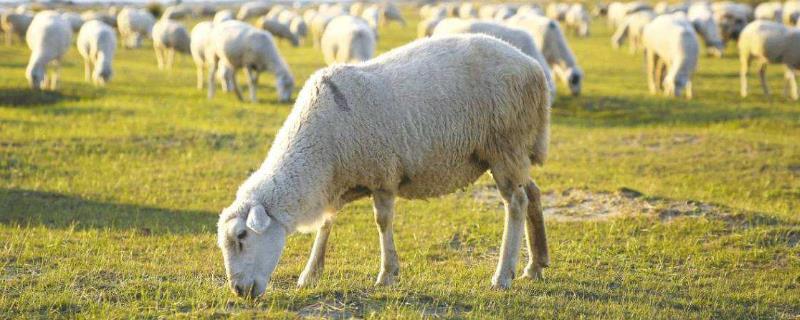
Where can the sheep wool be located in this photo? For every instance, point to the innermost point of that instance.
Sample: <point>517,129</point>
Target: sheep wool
<point>347,39</point>
<point>97,43</point>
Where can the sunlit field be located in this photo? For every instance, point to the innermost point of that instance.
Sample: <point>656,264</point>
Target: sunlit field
<point>656,207</point>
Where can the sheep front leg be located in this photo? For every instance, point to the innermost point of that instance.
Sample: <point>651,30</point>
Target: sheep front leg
<point>791,84</point>
<point>650,56</point>
<point>56,75</point>
<point>170,58</point>
<point>87,70</point>
<point>383,205</point>
<point>316,262</point>
<point>744,61</point>
<point>510,183</point>
<point>252,76</point>
<point>212,72</point>
<point>762,74</point>
<point>538,257</point>
<point>159,57</point>
<point>200,77</point>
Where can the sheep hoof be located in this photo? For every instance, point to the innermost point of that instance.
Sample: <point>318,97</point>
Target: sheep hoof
<point>533,274</point>
<point>501,282</point>
<point>308,279</point>
<point>386,278</point>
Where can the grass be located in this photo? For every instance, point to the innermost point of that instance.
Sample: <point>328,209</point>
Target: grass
<point>109,198</point>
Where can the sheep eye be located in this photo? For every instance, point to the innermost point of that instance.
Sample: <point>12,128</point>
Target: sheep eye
<point>241,235</point>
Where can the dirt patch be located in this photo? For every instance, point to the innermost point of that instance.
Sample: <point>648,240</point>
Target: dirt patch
<point>585,205</point>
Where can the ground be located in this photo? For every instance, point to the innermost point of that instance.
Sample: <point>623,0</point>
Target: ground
<point>656,207</point>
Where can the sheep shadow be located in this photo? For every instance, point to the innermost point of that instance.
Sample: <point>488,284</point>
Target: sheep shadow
<point>28,208</point>
<point>24,97</point>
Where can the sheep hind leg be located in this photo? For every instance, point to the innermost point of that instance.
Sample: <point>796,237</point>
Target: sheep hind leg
<point>56,75</point>
<point>510,182</point>
<point>170,58</point>
<point>200,77</point>
<point>744,66</point>
<point>762,74</point>
<point>790,88</point>
<point>538,256</point>
<point>159,57</point>
<point>87,70</point>
<point>650,58</point>
<point>252,84</point>
<point>383,204</point>
<point>316,262</point>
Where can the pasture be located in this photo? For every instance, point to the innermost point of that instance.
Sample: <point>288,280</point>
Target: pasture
<point>655,207</point>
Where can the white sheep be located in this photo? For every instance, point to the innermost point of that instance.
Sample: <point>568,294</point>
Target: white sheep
<point>671,45</point>
<point>97,43</point>
<point>348,137</point>
<point>557,11</point>
<point>485,12</point>
<point>134,26</point>
<point>237,45</point>
<point>577,19</point>
<point>772,11</point>
<point>15,24</point>
<point>392,13</point>
<point>278,30</point>
<point>48,37</point>
<point>467,10</point>
<point>702,18</point>
<point>617,11</point>
<point>252,9</point>
<point>791,12</point>
<point>357,8</point>
<point>548,36</point>
<point>372,15</point>
<point>770,42</point>
<point>632,28</point>
<point>176,12</point>
<point>317,27</point>
<point>200,35</point>
<point>518,38</point>
<point>347,39</point>
<point>99,15</point>
<point>530,9</point>
<point>276,11</point>
<point>295,23</point>
<point>223,15</point>
<point>309,15</point>
<point>75,21</point>
<point>731,18</point>
<point>504,12</point>
<point>425,27</point>
<point>169,36</point>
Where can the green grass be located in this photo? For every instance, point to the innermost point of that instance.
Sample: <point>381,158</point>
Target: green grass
<point>109,199</point>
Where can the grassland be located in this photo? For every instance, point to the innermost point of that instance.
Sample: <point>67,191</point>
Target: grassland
<point>109,197</point>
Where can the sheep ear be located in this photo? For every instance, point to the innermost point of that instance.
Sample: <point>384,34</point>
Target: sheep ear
<point>257,219</point>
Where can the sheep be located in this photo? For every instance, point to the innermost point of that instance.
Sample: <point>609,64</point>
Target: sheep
<point>670,45</point>
<point>275,12</point>
<point>169,36</point>
<point>529,9</point>
<point>309,15</point>
<point>277,29</point>
<point>664,7</point>
<point>467,10</point>
<point>317,27</point>
<point>348,137</point>
<point>486,12</point>
<point>102,16</point>
<point>770,42</point>
<point>791,12</point>
<point>504,12</point>
<point>75,21</point>
<point>237,45</point>
<point>632,27</point>
<point>48,37</point>
<point>134,26</point>
<point>96,44</point>
<point>392,13</point>
<point>557,11</point>
<point>295,23</point>
<point>577,19</point>
<point>357,8</point>
<point>252,9</point>
<point>702,19</point>
<point>772,11</point>
<point>372,15</point>
<point>176,12</point>
<point>516,37</point>
<point>347,39</point>
<point>731,18</point>
<point>15,25</point>
<point>199,42</point>
<point>223,15</point>
<point>548,36</point>
<point>618,11</point>
<point>425,27</point>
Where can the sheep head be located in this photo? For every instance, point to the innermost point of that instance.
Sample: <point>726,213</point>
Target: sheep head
<point>252,243</point>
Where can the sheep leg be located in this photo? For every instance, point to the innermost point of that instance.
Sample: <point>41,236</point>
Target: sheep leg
<point>538,257</point>
<point>383,205</point>
<point>87,70</point>
<point>510,183</point>
<point>170,58</point>
<point>762,74</point>
<point>651,70</point>
<point>791,84</point>
<point>316,262</point>
<point>200,77</point>
<point>235,86</point>
<point>689,90</point>
<point>159,57</point>
<point>252,84</point>
<point>744,60</point>
<point>212,72</point>
<point>56,74</point>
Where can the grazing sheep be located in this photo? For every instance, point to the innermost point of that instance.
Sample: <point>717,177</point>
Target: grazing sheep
<point>392,13</point>
<point>632,27</point>
<point>529,9</point>
<point>577,19</point>
<point>199,42</point>
<point>548,36</point>
<point>309,15</point>
<point>557,11</point>
<point>702,19</point>
<point>731,18</point>
<point>252,9</point>
<point>97,43</point>
<point>600,10</point>
<point>467,10</point>
<point>75,21</point>
<point>791,12</point>
<point>770,42</point>
<point>102,16</point>
<point>223,15</point>
<point>425,27</point>
<point>357,8</point>
<point>670,45</point>
<point>771,11</point>
<point>237,45</point>
<point>276,11</point>
<point>504,12</point>
<point>15,25</point>
<point>347,39</point>
<point>516,37</point>
<point>134,26</point>
<point>348,137</point>
<point>169,36</point>
<point>664,7</point>
<point>48,37</point>
<point>618,11</point>
<point>298,27</point>
<point>176,12</point>
<point>317,27</point>
<point>372,15</point>
<point>277,29</point>
<point>486,12</point>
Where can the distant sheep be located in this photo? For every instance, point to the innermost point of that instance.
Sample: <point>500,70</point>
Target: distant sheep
<point>731,18</point>
<point>516,37</point>
<point>425,27</point>
<point>372,15</point>
<point>169,36</point>
<point>252,9</point>
<point>770,42</point>
<point>99,15</point>
<point>317,27</point>
<point>134,26</point>
<point>671,45</point>
<point>176,12</point>
<point>75,21</point>
<point>557,11</point>
<point>632,28</point>
<point>275,12</point>
<point>278,30</point>
<point>200,35</point>
<point>49,37</point>
<point>467,10</point>
<point>97,43</point>
<point>791,12</point>
<point>348,138</point>
<point>347,39</point>
<point>770,11</point>
<point>237,45</point>
<point>15,25</point>
<point>550,39</point>
<point>223,15</point>
<point>392,13</point>
<point>577,20</point>
<point>702,18</point>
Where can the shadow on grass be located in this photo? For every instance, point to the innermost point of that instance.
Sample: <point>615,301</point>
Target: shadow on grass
<point>23,97</point>
<point>55,210</point>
